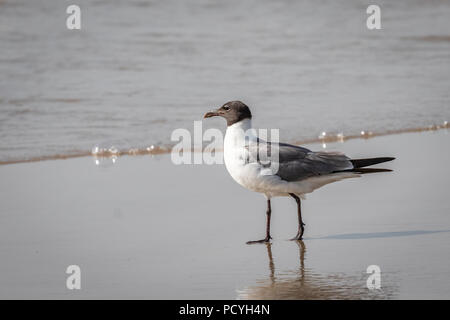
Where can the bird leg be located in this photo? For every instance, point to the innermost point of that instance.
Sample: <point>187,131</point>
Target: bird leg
<point>268,237</point>
<point>301,228</point>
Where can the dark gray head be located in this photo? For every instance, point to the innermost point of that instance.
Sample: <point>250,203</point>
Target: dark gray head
<point>233,111</point>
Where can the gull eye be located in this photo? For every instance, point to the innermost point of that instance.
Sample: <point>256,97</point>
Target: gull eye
<point>226,108</point>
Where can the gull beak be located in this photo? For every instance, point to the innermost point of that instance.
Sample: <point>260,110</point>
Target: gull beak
<point>211,114</point>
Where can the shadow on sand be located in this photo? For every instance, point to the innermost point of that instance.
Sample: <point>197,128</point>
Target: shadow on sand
<point>349,236</point>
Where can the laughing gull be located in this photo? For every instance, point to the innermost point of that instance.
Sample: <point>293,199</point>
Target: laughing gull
<point>298,170</point>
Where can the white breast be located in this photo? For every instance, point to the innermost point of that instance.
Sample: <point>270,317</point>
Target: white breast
<point>247,174</point>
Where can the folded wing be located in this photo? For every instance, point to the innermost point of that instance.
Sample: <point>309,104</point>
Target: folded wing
<point>297,163</point>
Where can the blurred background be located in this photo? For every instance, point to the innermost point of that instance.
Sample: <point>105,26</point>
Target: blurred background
<point>137,70</point>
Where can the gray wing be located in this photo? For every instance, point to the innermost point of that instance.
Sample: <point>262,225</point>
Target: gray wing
<point>297,163</point>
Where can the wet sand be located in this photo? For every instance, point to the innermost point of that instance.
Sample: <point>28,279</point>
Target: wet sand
<point>145,228</point>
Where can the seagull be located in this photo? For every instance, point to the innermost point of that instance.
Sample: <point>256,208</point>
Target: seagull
<point>295,172</point>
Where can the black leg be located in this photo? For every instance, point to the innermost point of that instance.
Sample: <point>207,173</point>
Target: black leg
<point>301,228</point>
<point>268,237</point>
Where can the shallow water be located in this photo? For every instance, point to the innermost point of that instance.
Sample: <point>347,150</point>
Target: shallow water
<point>139,69</point>
<point>142,227</point>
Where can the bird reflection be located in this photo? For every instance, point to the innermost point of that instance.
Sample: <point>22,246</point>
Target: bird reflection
<point>302,249</point>
<point>302,283</point>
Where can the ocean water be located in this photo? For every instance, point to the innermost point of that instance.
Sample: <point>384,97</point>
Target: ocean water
<point>139,69</point>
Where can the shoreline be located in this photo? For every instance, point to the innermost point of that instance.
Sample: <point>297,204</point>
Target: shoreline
<point>158,150</point>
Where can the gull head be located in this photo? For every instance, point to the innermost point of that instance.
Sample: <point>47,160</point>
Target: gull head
<point>233,112</point>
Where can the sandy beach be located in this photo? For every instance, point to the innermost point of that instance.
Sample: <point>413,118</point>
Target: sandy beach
<point>139,229</point>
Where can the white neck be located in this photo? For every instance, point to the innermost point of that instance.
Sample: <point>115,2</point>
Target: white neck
<point>241,125</point>
<point>238,132</point>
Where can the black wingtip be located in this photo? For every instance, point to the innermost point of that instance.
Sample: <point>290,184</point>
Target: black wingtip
<point>359,163</point>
